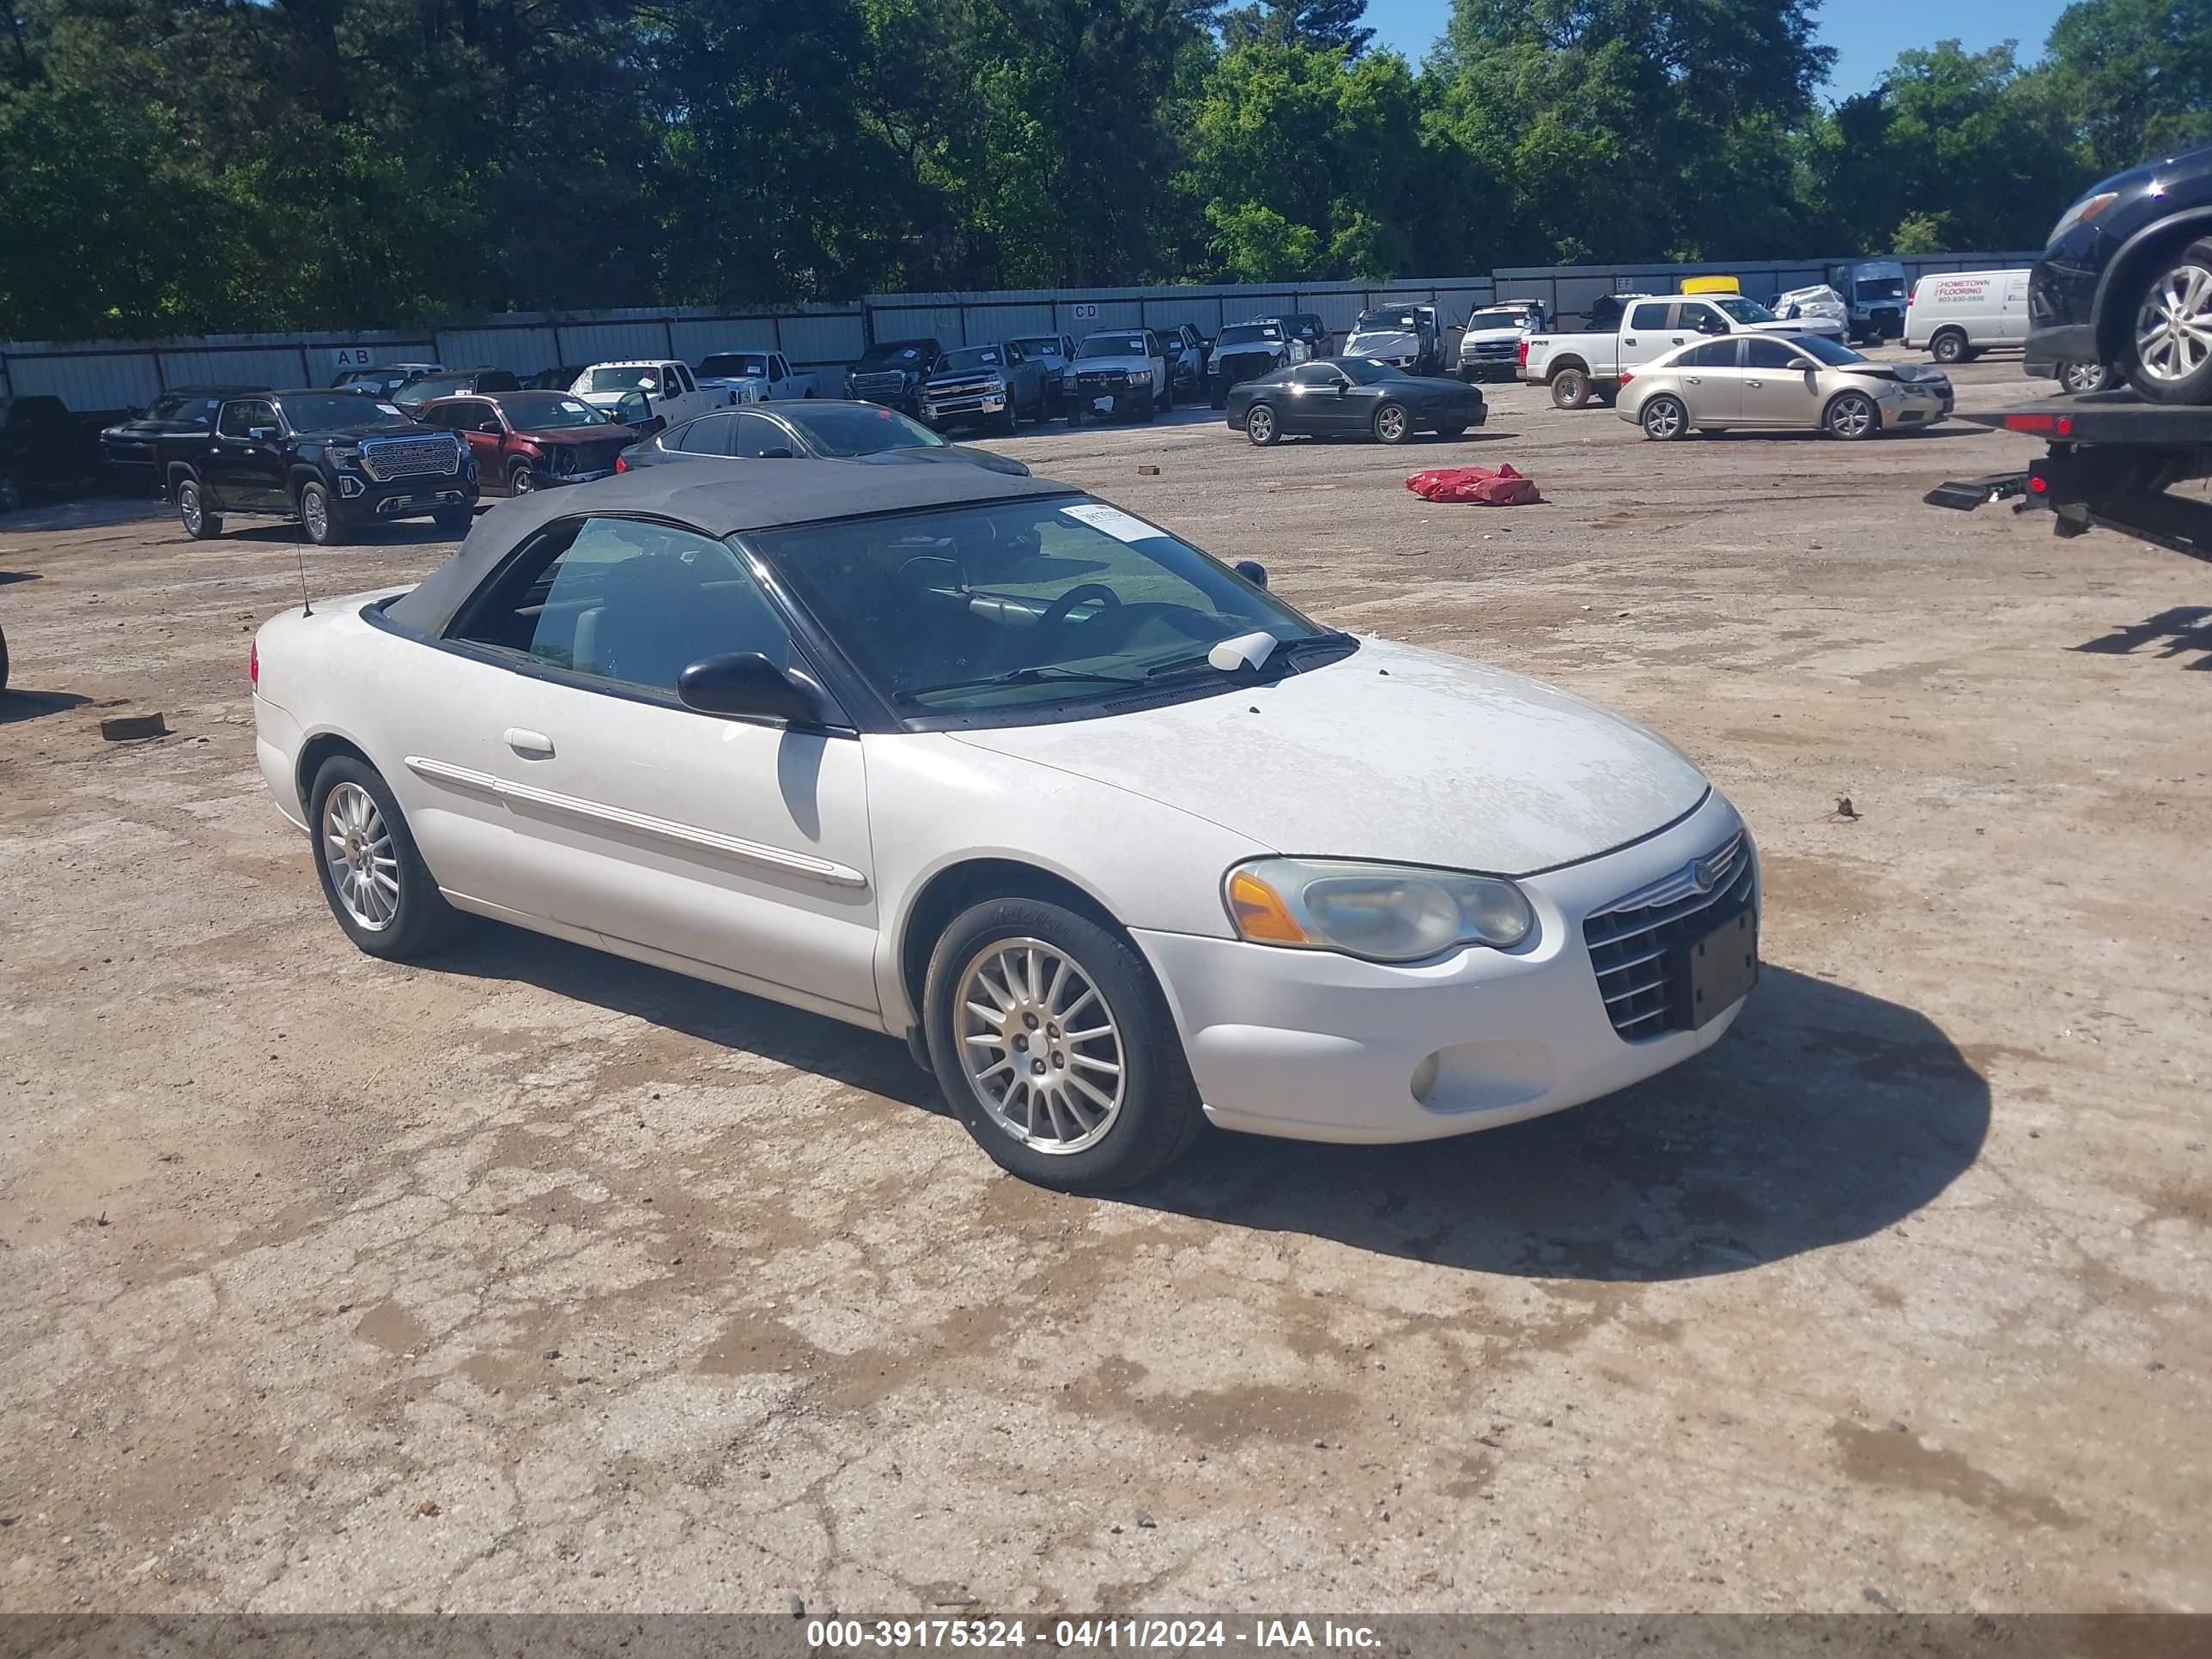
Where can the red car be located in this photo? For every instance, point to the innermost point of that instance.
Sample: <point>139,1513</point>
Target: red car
<point>526,441</point>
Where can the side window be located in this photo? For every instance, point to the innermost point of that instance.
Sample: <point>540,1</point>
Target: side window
<point>777,368</point>
<point>707,435</point>
<point>445,416</point>
<point>676,379</point>
<point>1648,315</point>
<point>239,420</point>
<point>628,602</point>
<point>1761,351</point>
<point>477,416</point>
<point>1315,374</point>
<point>757,435</point>
<point>1719,354</point>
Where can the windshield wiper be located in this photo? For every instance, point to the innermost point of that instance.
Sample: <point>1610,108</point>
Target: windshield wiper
<point>1019,676</point>
<point>1282,654</point>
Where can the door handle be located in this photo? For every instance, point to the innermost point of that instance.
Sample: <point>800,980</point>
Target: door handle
<point>1631,340</point>
<point>1754,383</point>
<point>530,745</point>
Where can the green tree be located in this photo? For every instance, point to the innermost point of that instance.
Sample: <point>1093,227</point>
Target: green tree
<point>2135,77</point>
<point>1297,22</point>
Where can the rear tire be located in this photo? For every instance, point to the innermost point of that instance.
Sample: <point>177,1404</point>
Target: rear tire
<point>1949,346</point>
<point>2080,379</point>
<point>201,523</point>
<point>1664,418</point>
<point>373,878</point>
<point>1570,389</point>
<point>4,662</point>
<point>1393,424</point>
<point>2167,353</point>
<point>1134,1063</point>
<point>1260,425</point>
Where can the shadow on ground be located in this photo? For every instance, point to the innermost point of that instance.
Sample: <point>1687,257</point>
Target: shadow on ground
<point>2175,633</point>
<point>18,705</point>
<point>1824,1116</point>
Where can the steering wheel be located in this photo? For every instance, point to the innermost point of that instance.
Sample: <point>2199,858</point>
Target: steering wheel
<point>1057,613</point>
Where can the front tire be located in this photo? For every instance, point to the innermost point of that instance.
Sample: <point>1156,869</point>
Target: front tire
<point>318,517</point>
<point>1949,346</point>
<point>1260,425</point>
<point>200,521</point>
<point>1570,389</point>
<point>1851,417</point>
<point>520,479</point>
<point>1664,418</point>
<point>1393,424</point>
<point>2168,350</point>
<point>453,520</point>
<point>1452,432</point>
<point>374,879</point>
<point>1052,1042</point>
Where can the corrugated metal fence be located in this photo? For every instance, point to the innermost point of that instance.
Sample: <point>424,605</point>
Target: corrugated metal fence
<point>101,375</point>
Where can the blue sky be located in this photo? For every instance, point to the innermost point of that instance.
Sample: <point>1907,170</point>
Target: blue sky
<point>1867,34</point>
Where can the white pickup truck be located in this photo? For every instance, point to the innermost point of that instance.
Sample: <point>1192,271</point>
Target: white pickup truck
<point>771,369</point>
<point>671,395</point>
<point>1580,366</point>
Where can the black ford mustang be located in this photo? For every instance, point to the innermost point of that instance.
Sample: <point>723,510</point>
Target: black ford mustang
<point>1353,397</point>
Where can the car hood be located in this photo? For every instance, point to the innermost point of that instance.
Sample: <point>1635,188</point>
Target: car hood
<point>983,457</point>
<point>1384,342</point>
<point>1492,335</point>
<point>1393,753</point>
<point>580,436</point>
<point>1093,365</point>
<point>413,430</point>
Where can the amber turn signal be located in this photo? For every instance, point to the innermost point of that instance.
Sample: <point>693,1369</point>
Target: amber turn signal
<point>1260,912</point>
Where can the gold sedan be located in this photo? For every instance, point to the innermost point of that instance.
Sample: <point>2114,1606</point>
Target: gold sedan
<point>1800,381</point>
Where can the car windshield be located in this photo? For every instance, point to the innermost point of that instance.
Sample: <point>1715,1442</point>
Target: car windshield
<point>1366,371</point>
<point>319,411</point>
<point>548,411</point>
<point>898,354</point>
<point>1881,288</point>
<point>1024,603</point>
<point>1743,310</point>
<point>844,430</point>
<point>633,377</point>
<point>174,405</point>
<point>736,366</point>
<point>968,359</point>
<point>436,386</point>
<point>1488,319</point>
<point>1825,350</point>
<point>1396,320</point>
<point>1048,346</point>
<point>1247,334</point>
<point>1111,345</point>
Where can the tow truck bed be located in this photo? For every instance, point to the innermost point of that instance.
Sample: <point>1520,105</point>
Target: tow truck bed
<point>2111,459</point>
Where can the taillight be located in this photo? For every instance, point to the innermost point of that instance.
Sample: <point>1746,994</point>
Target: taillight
<point>1524,351</point>
<point>621,465</point>
<point>253,664</point>
<point>1626,377</point>
<point>2039,484</point>
<point>1913,298</point>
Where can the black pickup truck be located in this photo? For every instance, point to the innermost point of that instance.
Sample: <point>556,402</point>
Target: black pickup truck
<point>333,461</point>
<point>43,447</point>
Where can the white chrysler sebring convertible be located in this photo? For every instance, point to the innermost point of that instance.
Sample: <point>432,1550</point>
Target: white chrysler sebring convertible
<point>1116,839</point>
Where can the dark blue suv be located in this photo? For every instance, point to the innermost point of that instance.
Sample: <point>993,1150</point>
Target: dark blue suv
<point>2127,280</point>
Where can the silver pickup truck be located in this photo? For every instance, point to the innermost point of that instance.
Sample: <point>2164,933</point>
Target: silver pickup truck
<point>1581,366</point>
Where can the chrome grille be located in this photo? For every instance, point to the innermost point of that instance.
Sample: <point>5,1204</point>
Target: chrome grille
<point>1634,942</point>
<point>872,387</point>
<point>386,459</point>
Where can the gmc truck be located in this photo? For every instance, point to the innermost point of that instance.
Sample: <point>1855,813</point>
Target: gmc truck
<point>1581,366</point>
<point>333,461</point>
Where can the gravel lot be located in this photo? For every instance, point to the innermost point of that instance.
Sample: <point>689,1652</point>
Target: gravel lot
<point>537,1279</point>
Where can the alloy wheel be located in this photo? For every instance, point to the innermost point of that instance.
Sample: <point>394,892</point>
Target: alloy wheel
<point>1041,1048</point>
<point>1663,418</point>
<point>315,513</point>
<point>1390,424</point>
<point>2173,330</point>
<point>1260,424</point>
<point>364,867</point>
<point>188,508</point>
<point>1851,417</point>
<point>2083,377</point>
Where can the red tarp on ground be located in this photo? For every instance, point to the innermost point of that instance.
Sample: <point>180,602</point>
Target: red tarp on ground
<point>1477,484</point>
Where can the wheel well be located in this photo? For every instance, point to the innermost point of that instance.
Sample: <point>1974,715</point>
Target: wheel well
<point>957,886</point>
<point>314,753</point>
<point>1851,391</point>
<point>2112,318</point>
<point>1553,370</point>
<point>302,476</point>
<point>1947,328</point>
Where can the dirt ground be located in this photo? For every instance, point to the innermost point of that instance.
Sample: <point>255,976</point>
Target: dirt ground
<point>537,1279</point>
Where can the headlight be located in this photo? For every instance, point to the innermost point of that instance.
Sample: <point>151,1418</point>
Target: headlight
<point>344,456</point>
<point>2082,212</point>
<point>1384,912</point>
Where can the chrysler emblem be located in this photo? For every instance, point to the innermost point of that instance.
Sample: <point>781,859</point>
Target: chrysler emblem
<point>1703,873</point>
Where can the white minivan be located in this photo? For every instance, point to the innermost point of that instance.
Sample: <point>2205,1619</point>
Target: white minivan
<point>1958,314</point>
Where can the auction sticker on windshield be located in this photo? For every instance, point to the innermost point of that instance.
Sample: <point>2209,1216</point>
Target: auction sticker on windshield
<point>1112,520</point>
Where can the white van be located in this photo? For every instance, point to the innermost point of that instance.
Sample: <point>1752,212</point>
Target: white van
<point>1960,313</point>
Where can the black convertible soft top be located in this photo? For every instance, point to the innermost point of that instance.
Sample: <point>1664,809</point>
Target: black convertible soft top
<point>716,498</point>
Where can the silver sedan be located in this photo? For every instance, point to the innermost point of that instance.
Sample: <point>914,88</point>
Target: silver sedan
<point>1800,381</point>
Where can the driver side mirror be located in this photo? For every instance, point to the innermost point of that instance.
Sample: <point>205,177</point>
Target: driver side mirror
<point>778,454</point>
<point>1709,324</point>
<point>489,424</point>
<point>261,434</point>
<point>1253,572</point>
<point>747,682</point>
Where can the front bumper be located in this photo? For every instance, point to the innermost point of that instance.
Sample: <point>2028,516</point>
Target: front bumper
<point>1119,397</point>
<point>361,497</point>
<point>962,406</point>
<point>1316,1046</point>
<point>1914,406</point>
<point>2063,343</point>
